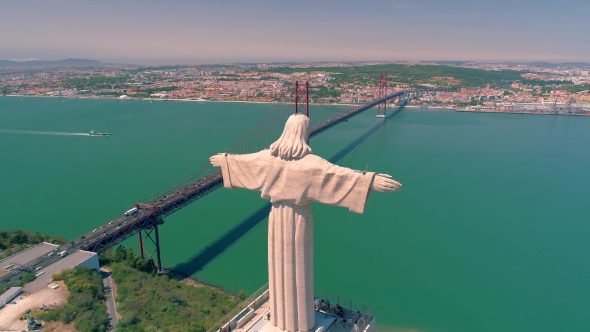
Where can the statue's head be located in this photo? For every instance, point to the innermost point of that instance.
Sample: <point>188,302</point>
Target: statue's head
<point>293,142</point>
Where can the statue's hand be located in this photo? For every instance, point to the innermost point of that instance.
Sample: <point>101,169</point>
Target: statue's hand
<point>216,160</point>
<point>384,183</point>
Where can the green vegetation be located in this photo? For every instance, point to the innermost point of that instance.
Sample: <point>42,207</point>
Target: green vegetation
<point>150,302</point>
<point>324,92</point>
<point>14,241</point>
<point>572,89</point>
<point>27,278</point>
<point>459,77</point>
<point>155,90</point>
<point>125,256</point>
<point>94,82</point>
<point>86,306</point>
<point>546,83</point>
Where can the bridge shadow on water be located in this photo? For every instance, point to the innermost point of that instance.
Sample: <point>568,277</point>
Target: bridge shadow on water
<point>217,247</point>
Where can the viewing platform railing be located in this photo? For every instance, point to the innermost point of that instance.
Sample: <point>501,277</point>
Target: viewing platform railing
<point>352,310</point>
<point>232,317</point>
<point>332,305</point>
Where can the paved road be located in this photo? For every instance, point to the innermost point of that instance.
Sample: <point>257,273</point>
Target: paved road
<point>108,292</point>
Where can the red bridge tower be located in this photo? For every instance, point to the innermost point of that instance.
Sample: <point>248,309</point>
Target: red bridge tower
<point>382,93</point>
<point>302,98</point>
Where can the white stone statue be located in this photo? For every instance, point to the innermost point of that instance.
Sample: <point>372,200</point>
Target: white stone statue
<point>291,177</point>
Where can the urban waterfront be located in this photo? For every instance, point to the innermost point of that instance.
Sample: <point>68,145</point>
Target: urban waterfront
<point>489,233</point>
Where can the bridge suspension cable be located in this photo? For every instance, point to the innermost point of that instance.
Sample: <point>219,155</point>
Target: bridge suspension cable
<point>259,135</point>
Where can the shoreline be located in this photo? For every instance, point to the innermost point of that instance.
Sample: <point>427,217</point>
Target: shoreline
<point>438,108</point>
<point>525,113</point>
<point>173,100</point>
<point>192,281</point>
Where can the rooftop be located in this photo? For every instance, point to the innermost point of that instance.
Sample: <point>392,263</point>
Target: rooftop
<point>10,294</point>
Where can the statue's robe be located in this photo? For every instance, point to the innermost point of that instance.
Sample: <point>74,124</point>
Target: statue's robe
<point>291,185</point>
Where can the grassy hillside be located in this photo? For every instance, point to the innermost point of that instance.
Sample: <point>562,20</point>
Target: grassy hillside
<point>413,74</point>
<point>86,306</point>
<point>150,302</point>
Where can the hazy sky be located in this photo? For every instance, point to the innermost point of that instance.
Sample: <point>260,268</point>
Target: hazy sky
<point>215,31</point>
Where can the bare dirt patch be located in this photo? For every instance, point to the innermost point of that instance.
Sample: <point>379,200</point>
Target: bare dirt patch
<point>10,314</point>
<point>185,279</point>
<point>191,282</point>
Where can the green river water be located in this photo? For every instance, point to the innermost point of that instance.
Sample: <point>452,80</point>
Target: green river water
<point>490,232</point>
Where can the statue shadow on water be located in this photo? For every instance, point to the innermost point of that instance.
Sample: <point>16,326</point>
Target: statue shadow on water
<point>221,244</point>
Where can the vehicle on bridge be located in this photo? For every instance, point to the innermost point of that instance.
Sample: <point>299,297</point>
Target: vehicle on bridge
<point>131,212</point>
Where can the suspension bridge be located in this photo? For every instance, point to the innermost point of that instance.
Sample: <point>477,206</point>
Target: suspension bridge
<point>147,215</point>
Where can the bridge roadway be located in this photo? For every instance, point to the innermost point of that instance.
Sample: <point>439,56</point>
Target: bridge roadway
<point>123,227</point>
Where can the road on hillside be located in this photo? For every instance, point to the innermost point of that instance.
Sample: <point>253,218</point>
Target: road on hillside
<point>110,296</point>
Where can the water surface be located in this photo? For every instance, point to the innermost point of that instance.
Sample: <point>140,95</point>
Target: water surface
<point>490,232</point>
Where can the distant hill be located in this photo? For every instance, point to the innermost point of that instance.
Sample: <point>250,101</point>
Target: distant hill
<point>56,63</point>
<point>553,65</point>
<point>449,63</point>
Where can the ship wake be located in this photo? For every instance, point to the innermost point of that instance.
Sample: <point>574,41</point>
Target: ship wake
<point>34,132</point>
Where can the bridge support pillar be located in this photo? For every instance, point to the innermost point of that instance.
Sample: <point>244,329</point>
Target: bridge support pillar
<point>140,244</point>
<point>150,232</point>
<point>381,93</point>
<point>158,248</point>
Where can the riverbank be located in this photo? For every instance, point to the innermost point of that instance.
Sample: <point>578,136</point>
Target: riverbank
<point>530,113</point>
<point>171,100</point>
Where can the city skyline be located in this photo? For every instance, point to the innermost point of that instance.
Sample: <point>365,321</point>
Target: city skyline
<point>151,32</point>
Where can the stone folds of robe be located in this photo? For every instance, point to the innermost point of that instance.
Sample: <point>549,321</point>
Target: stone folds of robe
<point>291,185</point>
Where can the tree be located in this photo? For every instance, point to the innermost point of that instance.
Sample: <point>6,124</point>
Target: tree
<point>120,254</point>
<point>28,278</point>
<point>18,237</point>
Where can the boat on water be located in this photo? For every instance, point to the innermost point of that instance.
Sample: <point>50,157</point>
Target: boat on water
<point>94,133</point>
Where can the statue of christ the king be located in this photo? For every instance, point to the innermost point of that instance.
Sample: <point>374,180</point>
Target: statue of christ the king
<point>291,177</point>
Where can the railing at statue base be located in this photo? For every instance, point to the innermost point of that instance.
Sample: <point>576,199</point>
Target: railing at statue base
<point>328,304</point>
<point>232,318</point>
<point>341,307</point>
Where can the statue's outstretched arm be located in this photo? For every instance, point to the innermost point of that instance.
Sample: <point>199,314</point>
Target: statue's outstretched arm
<point>384,183</point>
<point>216,160</point>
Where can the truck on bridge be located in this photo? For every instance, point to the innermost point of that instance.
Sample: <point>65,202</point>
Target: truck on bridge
<point>131,211</point>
